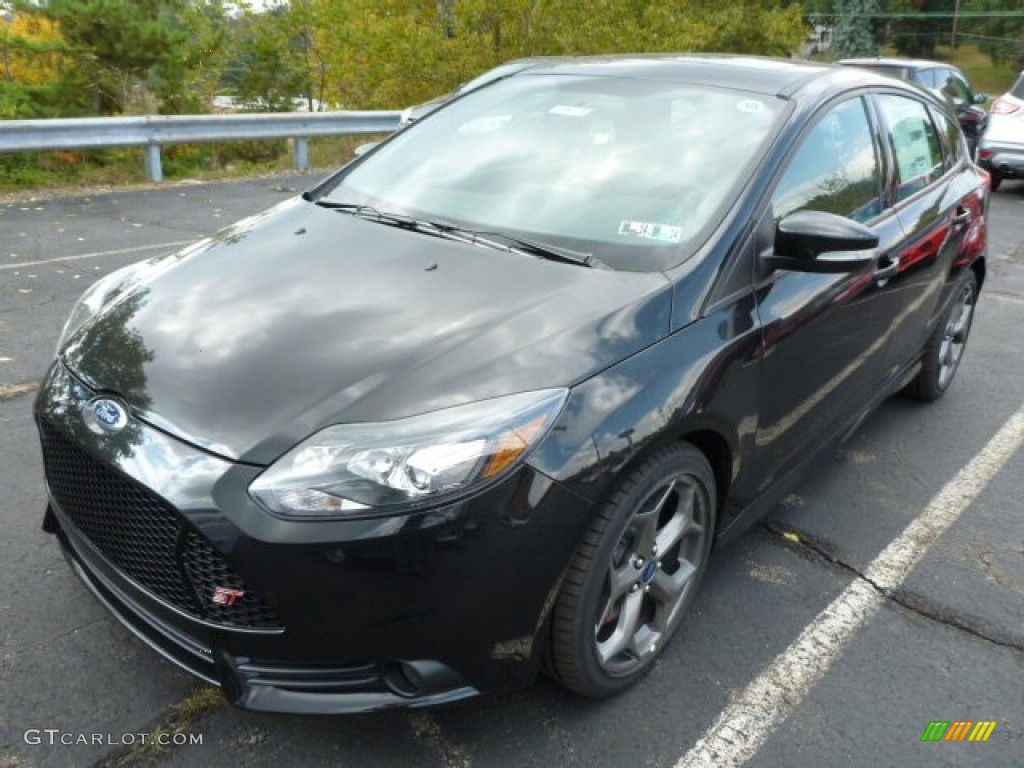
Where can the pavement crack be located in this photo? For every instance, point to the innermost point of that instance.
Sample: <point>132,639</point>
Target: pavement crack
<point>821,551</point>
<point>427,730</point>
<point>51,641</point>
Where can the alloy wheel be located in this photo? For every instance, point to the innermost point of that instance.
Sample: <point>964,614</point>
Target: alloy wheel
<point>650,574</point>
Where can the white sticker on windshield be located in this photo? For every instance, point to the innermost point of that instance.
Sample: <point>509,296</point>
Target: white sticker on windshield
<point>649,230</point>
<point>569,111</point>
<point>485,124</point>
<point>750,105</point>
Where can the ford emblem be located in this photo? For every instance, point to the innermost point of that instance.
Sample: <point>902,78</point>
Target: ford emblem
<point>104,415</point>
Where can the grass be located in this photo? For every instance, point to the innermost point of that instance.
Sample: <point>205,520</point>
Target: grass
<point>985,75</point>
<point>119,167</point>
<point>177,719</point>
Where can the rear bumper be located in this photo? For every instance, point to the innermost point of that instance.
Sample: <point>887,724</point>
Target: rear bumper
<point>1007,160</point>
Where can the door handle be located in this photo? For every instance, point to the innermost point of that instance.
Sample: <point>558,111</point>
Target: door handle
<point>883,274</point>
<point>962,217</point>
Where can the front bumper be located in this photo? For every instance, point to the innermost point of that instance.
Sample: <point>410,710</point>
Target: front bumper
<point>348,616</point>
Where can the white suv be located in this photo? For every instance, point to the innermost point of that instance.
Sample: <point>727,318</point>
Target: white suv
<point>1001,149</point>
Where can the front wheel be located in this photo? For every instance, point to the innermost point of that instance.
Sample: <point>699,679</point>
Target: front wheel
<point>635,574</point>
<point>945,348</point>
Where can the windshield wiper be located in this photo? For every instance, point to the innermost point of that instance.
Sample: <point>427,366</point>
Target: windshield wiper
<point>489,239</point>
<point>511,242</point>
<point>371,213</point>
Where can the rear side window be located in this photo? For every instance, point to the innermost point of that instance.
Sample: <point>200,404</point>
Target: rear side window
<point>926,77</point>
<point>835,169</point>
<point>914,142</point>
<point>953,139</point>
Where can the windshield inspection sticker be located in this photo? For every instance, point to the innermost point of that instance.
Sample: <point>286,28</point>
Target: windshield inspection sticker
<point>648,230</point>
<point>750,105</point>
<point>569,111</point>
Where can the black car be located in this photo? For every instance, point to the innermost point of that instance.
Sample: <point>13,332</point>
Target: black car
<point>945,81</point>
<point>486,399</point>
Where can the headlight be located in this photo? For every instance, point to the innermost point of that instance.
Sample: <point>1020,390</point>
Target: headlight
<point>98,294</point>
<point>391,465</point>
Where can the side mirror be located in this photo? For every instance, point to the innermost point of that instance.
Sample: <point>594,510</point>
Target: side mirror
<point>362,149</point>
<point>816,241</point>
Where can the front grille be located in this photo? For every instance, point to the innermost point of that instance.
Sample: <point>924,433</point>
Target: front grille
<point>145,537</point>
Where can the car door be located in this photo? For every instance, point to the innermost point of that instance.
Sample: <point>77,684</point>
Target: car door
<point>933,194</point>
<point>826,336</point>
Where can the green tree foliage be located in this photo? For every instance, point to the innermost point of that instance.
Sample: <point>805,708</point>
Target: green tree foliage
<point>123,50</point>
<point>387,53</point>
<point>186,83</point>
<point>854,33</point>
<point>918,33</point>
<point>1002,37</point>
<point>268,68</point>
<point>31,49</point>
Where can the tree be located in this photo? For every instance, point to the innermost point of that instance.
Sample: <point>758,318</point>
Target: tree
<point>388,53</point>
<point>31,49</point>
<point>854,30</point>
<point>187,82</point>
<point>267,70</point>
<point>918,33</point>
<point>1002,37</point>
<point>115,48</point>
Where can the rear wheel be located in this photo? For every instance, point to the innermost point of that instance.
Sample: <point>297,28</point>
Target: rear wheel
<point>946,346</point>
<point>996,180</point>
<point>635,574</point>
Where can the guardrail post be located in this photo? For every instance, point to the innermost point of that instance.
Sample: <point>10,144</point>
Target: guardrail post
<point>301,152</point>
<point>154,170</point>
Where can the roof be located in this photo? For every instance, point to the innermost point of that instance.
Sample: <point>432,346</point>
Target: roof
<point>892,61</point>
<point>750,73</point>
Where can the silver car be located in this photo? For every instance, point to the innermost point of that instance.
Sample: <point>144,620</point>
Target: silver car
<point>1001,149</point>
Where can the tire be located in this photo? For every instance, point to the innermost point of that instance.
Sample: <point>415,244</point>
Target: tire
<point>945,347</point>
<point>995,181</point>
<point>624,595</point>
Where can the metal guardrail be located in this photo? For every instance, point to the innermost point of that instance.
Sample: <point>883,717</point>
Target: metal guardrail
<point>152,132</point>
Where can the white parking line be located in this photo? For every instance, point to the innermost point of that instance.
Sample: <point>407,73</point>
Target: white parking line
<point>751,718</point>
<point>95,254</point>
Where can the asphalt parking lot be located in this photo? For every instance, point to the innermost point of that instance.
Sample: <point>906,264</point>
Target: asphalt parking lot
<point>791,658</point>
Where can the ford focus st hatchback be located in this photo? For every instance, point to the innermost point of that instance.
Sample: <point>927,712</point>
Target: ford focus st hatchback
<point>486,398</point>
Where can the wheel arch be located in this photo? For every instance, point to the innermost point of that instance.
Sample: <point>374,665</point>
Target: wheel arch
<point>717,451</point>
<point>980,268</point>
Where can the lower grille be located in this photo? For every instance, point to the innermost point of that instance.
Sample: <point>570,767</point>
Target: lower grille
<point>145,537</point>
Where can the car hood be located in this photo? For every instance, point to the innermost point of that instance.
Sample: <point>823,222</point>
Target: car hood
<point>302,317</point>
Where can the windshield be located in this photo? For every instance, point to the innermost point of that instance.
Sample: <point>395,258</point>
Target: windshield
<point>635,172</point>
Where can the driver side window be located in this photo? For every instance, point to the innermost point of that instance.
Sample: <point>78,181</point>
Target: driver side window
<point>835,168</point>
